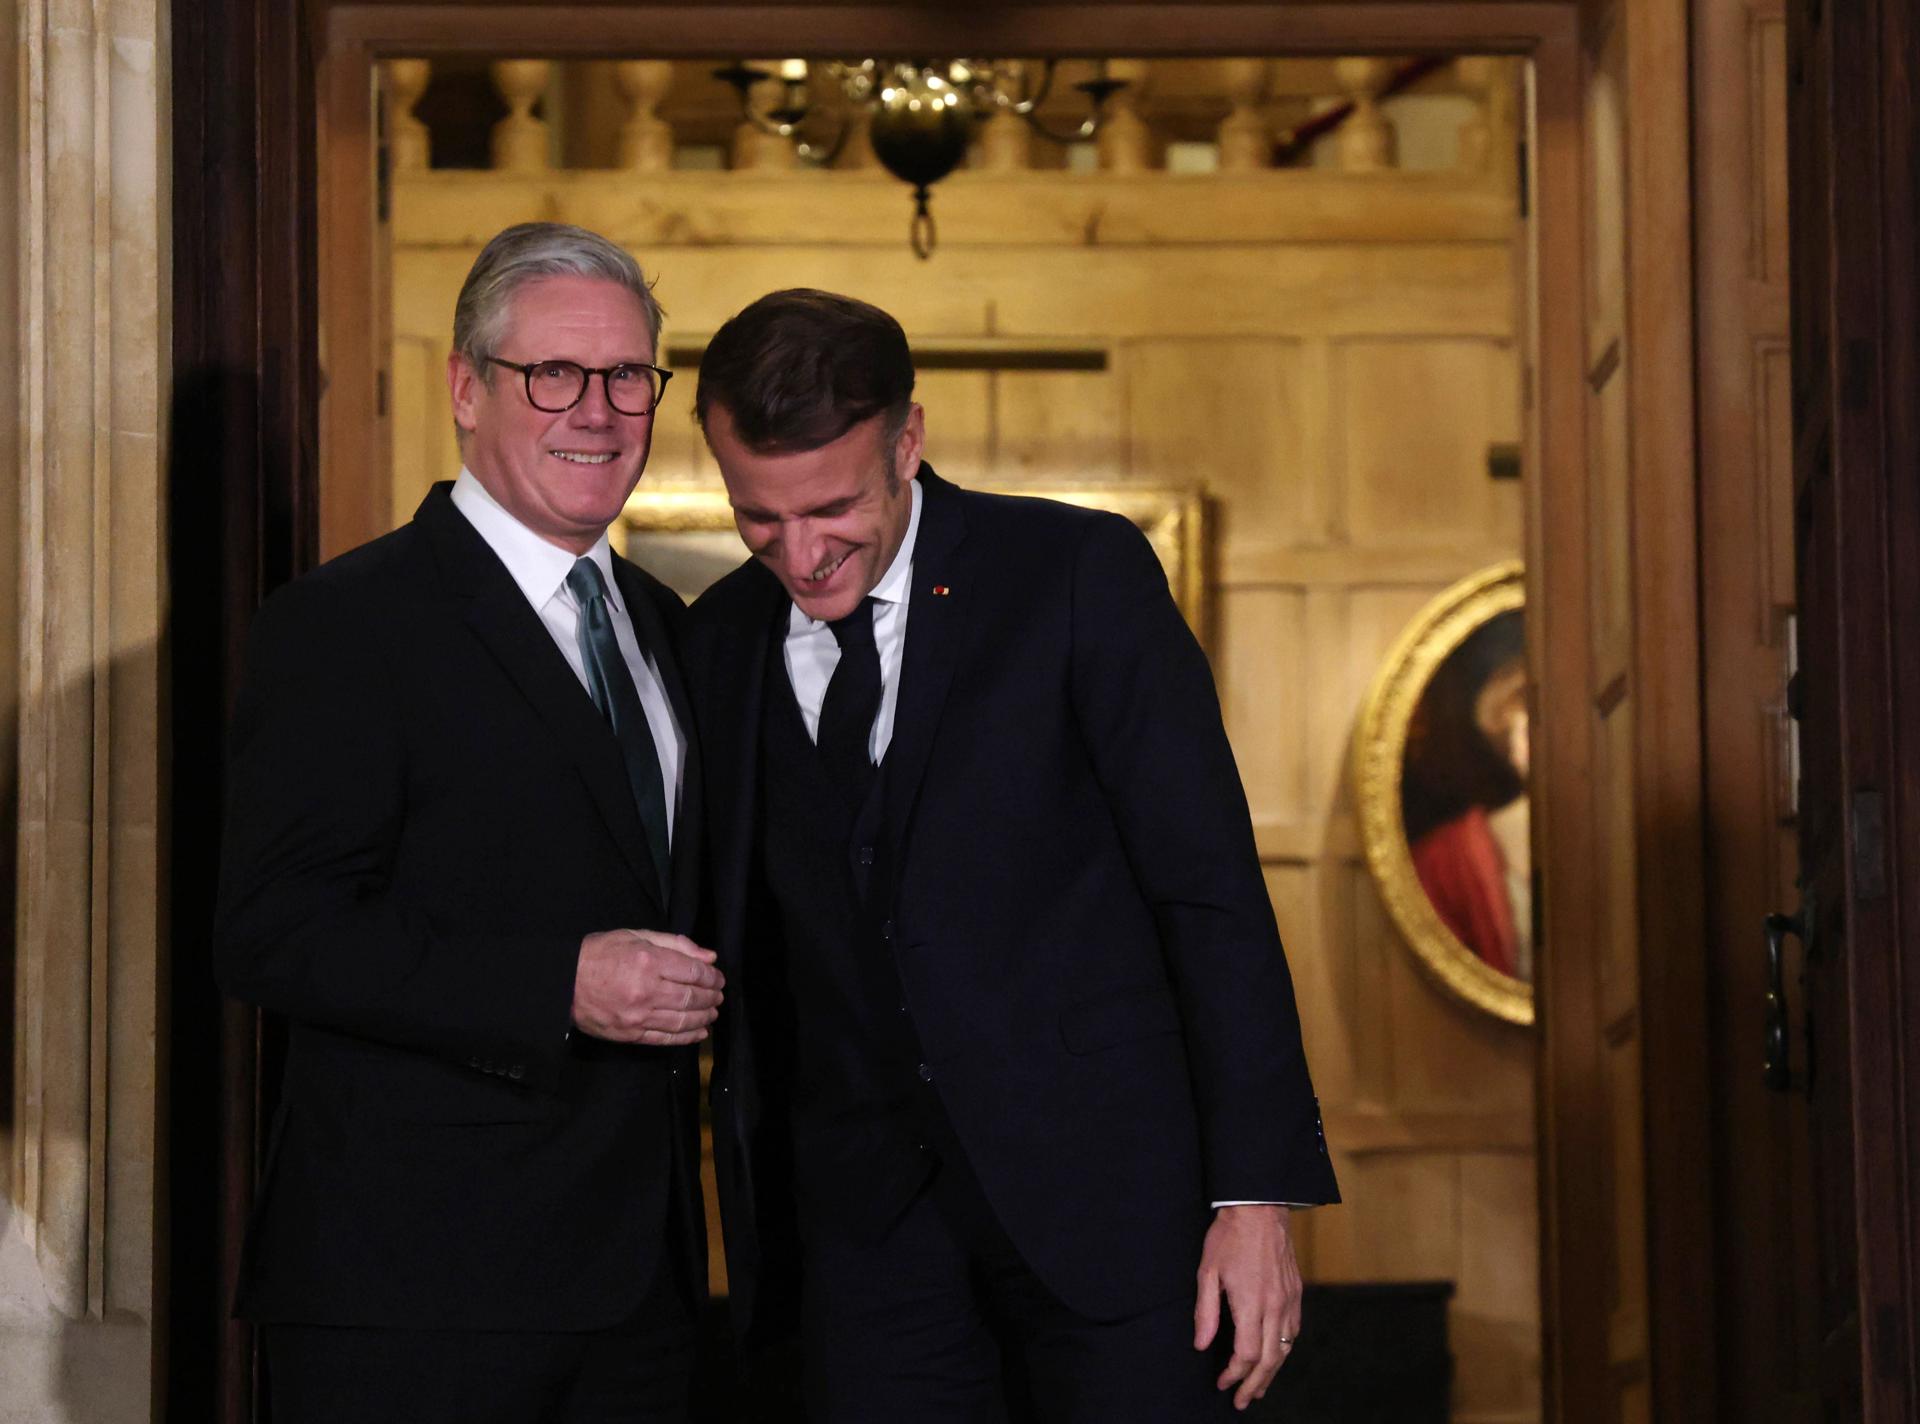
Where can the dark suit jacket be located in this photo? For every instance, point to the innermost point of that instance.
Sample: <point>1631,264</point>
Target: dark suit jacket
<point>1080,921</point>
<point>426,815</point>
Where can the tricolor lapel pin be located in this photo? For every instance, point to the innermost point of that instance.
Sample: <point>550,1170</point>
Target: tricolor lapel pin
<point>940,590</point>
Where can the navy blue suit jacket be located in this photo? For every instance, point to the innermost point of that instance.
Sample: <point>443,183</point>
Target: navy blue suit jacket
<point>1080,921</point>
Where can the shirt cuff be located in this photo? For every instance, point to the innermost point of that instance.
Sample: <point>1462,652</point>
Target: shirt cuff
<point>1290,1206</point>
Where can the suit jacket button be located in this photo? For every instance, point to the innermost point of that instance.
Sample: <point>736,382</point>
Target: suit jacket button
<point>926,1072</point>
<point>886,930</point>
<point>866,855</point>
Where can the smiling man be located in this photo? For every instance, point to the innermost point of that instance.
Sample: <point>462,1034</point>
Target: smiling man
<point>461,860</point>
<point>1011,1039</point>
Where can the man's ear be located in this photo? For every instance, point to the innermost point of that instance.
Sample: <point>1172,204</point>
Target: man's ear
<point>463,383</point>
<point>913,439</point>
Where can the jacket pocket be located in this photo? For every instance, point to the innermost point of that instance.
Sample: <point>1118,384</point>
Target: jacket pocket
<point>1122,1017</point>
<point>416,1090</point>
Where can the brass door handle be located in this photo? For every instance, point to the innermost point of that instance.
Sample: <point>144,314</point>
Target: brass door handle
<point>1778,1070</point>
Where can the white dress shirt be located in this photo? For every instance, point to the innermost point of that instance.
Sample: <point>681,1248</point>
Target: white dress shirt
<point>541,571</point>
<point>813,652</point>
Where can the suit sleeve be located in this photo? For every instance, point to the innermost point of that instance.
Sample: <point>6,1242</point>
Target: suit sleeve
<point>1144,697</point>
<point>309,923</point>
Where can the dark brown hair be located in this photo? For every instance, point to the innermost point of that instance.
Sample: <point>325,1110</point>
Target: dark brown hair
<point>800,368</point>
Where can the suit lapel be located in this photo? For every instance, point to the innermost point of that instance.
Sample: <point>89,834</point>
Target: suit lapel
<point>941,593</point>
<point>738,679</point>
<point>687,832</point>
<point>502,619</point>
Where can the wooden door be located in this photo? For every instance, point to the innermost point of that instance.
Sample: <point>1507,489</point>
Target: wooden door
<point>1625,1088</point>
<point>1593,1029</point>
<point>1856,355</point>
<point>1763,1197</point>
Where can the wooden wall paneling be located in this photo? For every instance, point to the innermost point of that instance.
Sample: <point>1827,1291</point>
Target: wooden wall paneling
<point>1229,411</point>
<point>1060,426</point>
<point>1497,1326</point>
<point>976,209</point>
<point>1445,1056</point>
<point>1326,984</point>
<point>1766,1349</point>
<point>1262,659</point>
<point>959,422</point>
<point>1416,470</point>
<point>1358,920</point>
<point>1322,706</point>
<point>1385,288</point>
<point>424,448</point>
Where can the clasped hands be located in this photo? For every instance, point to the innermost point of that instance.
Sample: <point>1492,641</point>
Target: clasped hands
<point>1248,1256</point>
<point>643,986</point>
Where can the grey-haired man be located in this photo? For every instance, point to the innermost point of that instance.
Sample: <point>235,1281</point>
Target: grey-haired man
<point>460,860</point>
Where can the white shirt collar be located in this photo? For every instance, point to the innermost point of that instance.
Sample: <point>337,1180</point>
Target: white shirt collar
<point>892,587</point>
<point>538,567</point>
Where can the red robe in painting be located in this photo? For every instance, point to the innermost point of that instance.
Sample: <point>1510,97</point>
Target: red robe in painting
<point>1465,876</point>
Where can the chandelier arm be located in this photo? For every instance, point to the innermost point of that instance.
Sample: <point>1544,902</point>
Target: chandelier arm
<point>814,153</point>
<point>1025,107</point>
<point>1087,129</point>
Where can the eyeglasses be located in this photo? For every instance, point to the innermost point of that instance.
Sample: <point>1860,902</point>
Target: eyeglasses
<point>554,386</point>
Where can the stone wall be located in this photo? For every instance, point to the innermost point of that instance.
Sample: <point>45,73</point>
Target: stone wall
<point>86,267</point>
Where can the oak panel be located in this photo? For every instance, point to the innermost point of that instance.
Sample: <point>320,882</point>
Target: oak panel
<point>1057,426</point>
<point>1261,668</point>
<point>1417,417</point>
<point>1228,412</point>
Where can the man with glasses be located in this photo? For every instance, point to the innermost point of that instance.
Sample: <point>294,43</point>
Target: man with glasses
<point>461,860</point>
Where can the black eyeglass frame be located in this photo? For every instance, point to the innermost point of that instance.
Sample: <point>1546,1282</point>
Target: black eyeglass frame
<point>587,373</point>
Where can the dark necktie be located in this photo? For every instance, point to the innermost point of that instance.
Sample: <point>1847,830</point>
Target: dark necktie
<point>852,702</point>
<point>610,682</point>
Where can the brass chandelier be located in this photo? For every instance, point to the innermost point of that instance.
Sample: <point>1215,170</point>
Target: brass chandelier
<point>923,112</point>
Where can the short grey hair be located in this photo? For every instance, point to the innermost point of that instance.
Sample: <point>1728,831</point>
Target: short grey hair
<point>525,253</point>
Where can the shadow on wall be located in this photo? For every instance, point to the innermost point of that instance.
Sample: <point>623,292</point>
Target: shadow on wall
<point>228,538</point>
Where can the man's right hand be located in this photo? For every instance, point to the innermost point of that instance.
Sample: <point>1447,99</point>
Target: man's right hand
<point>641,986</point>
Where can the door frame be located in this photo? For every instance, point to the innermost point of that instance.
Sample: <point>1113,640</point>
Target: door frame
<point>323,64</point>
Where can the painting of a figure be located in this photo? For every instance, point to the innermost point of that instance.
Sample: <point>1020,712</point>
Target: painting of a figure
<point>1464,795</point>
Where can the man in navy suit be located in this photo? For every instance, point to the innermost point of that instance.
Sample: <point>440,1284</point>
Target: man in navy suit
<point>462,859</point>
<point>1012,1041</point>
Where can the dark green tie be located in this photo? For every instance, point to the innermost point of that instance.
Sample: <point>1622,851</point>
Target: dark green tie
<point>611,684</point>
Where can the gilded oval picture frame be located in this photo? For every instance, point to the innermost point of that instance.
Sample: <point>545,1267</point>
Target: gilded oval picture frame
<point>1440,772</point>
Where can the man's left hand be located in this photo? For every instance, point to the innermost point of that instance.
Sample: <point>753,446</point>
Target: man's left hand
<point>1249,1255</point>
